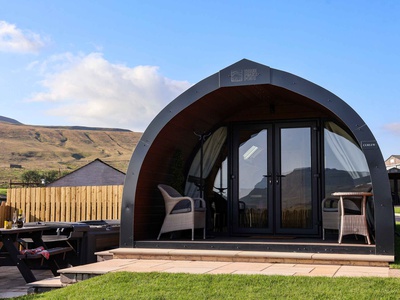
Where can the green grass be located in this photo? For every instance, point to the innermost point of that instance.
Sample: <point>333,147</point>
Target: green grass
<point>127,285</point>
<point>397,209</point>
<point>3,191</point>
<point>396,264</point>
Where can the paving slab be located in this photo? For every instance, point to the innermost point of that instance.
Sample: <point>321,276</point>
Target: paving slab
<point>247,266</point>
<point>12,284</point>
<point>361,271</point>
<point>322,270</point>
<point>53,282</point>
<point>101,267</point>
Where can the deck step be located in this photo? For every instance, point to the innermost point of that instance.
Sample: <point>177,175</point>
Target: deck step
<point>80,273</point>
<point>254,256</point>
<point>45,285</point>
<point>104,255</point>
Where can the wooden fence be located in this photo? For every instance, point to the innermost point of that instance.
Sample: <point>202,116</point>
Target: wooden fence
<point>64,204</point>
<point>5,213</point>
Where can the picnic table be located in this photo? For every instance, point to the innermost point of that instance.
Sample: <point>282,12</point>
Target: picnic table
<point>11,254</point>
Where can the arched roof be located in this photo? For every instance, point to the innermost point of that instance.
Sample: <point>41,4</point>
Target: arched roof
<point>219,98</point>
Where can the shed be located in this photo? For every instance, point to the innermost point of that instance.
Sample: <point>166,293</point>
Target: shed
<point>94,173</point>
<point>268,145</point>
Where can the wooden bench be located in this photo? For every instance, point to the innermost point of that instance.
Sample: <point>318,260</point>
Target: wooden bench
<point>38,260</point>
<point>51,251</point>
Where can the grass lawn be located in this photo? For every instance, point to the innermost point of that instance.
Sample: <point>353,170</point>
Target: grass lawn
<point>396,264</point>
<point>397,209</point>
<point>127,285</point>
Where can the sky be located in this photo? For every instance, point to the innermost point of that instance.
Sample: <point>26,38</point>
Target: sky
<point>119,63</point>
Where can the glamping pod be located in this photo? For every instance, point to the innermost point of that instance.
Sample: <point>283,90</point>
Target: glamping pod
<point>266,150</point>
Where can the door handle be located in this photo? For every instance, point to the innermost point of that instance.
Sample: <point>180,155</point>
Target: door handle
<point>270,178</point>
<point>278,177</point>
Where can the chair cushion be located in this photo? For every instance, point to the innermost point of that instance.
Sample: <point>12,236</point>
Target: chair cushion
<point>328,209</point>
<point>184,206</point>
<point>181,207</point>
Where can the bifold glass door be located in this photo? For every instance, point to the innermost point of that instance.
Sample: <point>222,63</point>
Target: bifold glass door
<point>274,179</point>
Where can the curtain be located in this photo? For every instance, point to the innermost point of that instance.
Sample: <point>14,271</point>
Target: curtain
<point>346,153</point>
<point>211,149</point>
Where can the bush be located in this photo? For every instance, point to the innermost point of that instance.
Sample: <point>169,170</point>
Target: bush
<point>30,177</point>
<point>40,177</point>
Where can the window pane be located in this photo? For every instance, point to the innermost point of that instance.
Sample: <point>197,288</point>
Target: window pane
<point>295,186</point>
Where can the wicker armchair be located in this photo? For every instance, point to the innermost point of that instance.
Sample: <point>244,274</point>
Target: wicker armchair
<point>181,212</point>
<point>331,213</point>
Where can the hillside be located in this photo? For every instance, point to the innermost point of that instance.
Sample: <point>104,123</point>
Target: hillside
<point>8,120</point>
<point>61,148</point>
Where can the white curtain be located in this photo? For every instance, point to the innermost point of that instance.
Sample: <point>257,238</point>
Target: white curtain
<point>211,149</point>
<point>349,156</point>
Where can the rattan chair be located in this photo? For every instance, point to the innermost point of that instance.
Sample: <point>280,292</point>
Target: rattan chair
<point>182,213</point>
<point>331,213</point>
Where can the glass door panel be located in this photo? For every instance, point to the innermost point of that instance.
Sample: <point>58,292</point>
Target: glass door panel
<point>252,205</point>
<point>294,179</point>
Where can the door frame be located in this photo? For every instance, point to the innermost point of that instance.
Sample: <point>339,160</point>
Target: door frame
<point>274,155</point>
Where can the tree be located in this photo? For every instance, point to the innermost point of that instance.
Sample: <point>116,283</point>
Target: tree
<point>34,177</point>
<point>31,177</point>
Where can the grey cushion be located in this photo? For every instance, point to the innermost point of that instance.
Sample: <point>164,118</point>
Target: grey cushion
<point>184,206</point>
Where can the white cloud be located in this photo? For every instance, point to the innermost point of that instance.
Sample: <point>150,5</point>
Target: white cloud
<point>13,39</point>
<point>88,90</point>
<point>393,128</point>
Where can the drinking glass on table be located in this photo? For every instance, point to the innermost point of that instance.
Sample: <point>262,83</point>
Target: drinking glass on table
<point>23,218</point>
<point>14,219</point>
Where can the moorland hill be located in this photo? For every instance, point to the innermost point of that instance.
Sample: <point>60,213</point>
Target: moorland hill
<point>61,148</point>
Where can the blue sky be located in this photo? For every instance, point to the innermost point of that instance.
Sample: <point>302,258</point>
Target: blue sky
<point>118,63</point>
